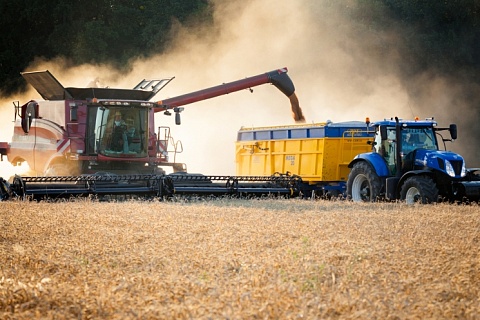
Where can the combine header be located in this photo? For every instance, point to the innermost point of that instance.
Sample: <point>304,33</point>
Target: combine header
<point>145,186</point>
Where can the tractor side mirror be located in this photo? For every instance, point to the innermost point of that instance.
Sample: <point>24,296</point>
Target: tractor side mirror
<point>383,132</point>
<point>453,131</point>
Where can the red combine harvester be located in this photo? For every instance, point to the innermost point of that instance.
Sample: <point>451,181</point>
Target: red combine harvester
<point>94,137</point>
<point>88,130</point>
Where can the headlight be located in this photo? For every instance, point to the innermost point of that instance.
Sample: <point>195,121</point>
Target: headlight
<point>449,169</point>
<point>464,170</point>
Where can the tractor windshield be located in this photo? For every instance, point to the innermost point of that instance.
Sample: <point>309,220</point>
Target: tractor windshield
<point>118,131</point>
<point>417,138</point>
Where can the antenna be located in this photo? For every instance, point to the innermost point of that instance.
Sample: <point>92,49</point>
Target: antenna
<point>411,110</point>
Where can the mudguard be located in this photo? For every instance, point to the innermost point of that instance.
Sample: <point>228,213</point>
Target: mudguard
<point>425,172</point>
<point>375,160</point>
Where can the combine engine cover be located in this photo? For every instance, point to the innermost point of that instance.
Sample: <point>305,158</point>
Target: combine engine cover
<point>39,135</point>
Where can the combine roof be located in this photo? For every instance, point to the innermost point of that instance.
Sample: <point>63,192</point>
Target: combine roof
<point>51,89</point>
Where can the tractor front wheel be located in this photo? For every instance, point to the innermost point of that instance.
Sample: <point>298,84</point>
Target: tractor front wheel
<point>363,183</point>
<point>421,189</point>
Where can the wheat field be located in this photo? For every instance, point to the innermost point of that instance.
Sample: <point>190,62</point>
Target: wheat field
<point>238,259</point>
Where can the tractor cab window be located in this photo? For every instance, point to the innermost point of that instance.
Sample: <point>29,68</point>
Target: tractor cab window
<point>386,147</point>
<point>118,131</point>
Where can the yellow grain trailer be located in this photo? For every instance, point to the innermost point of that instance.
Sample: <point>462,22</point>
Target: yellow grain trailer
<point>319,153</point>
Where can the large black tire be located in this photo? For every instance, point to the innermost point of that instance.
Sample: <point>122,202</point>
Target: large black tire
<point>5,191</point>
<point>473,175</point>
<point>363,183</point>
<point>419,189</point>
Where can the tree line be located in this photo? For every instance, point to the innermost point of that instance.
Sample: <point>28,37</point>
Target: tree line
<point>87,31</point>
<point>440,35</point>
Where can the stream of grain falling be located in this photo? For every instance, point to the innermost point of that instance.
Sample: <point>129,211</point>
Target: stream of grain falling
<point>296,110</point>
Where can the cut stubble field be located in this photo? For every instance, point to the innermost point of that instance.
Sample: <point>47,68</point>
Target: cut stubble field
<point>238,259</point>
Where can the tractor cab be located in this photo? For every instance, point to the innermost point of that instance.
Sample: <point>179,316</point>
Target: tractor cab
<point>411,138</point>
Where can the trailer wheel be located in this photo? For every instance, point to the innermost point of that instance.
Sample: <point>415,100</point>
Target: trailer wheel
<point>421,189</point>
<point>363,183</point>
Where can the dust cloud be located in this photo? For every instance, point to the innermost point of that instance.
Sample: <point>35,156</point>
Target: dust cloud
<point>337,75</point>
<point>6,131</point>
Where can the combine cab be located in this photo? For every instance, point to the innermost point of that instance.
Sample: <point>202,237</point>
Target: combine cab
<point>86,130</point>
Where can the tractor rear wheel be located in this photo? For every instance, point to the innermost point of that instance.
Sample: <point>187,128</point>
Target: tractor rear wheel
<point>363,183</point>
<point>421,189</point>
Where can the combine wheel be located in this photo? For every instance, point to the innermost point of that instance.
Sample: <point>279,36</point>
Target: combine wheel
<point>4,189</point>
<point>167,187</point>
<point>18,186</point>
<point>363,183</point>
<point>420,189</point>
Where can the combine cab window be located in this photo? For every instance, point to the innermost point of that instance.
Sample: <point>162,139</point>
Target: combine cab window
<point>118,131</point>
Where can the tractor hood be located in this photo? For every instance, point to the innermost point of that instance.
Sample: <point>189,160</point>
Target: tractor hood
<point>448,162</point>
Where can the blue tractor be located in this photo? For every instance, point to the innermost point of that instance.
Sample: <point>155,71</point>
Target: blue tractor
<point>407,164</point>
